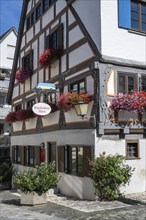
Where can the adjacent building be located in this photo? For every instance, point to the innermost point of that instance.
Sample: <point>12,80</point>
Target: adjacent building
<point>7,49</point>
<point>103,51</point>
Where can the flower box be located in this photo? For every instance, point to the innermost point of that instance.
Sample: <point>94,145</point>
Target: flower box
<point>48,56</point>
<point>17,126</point>
<point>33,198</point>
<point>51,119</point>
<point>127,116</point>
<point>31,123</point>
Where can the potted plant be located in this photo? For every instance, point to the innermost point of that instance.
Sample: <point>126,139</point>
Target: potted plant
<point>22,75</point>
<point>11,117</point>
<point>6,172</point>
<point>35,183</point>
<point>48,56</point>
<point>69,100</point>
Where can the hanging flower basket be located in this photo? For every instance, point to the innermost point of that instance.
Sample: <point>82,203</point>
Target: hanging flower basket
<point>48,56</point>
<point>69,100</point>
<point>22,75</point>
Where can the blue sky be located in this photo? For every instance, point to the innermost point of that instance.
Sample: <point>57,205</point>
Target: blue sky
<point>10,11</point>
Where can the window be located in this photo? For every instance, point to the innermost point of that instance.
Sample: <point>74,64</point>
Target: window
<point>45,5</point>
<point>27,61</point>
<point>132,150</point>
<point>38,11</point>
<point>78,86</point>
<point>17,107</point>
<point>51,152</point>
<point>30,103</point>
<point>74,159</point>
<point>16,154</point>
<point>1,128</point>
<point>138,15</point>
<point>143,83</point>
<point>2,101</point>
<point>55,39</point>
<point>30,21</point>
<point>30,156</point>
<point>126,83</point>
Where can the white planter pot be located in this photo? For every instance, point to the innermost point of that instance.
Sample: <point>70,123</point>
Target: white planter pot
<point>31,123</point>
<point>33,198</point>
<point>51,119</point>
<point>17,126</point>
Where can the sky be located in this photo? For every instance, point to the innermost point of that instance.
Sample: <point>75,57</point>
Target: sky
<point>10,11</point>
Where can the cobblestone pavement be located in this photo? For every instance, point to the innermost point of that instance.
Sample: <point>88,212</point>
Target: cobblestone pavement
<point>61,208</point>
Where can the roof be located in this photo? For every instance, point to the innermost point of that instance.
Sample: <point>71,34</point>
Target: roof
<point>3,36</point>
<point>18,45</point>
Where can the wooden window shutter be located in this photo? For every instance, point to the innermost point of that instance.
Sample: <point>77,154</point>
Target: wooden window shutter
<point>31,60</point>
<point>13,154</point>
<point>87,157</point>
<point>60,37</point>
<point>38,156</point>
<point>60,158</point>
<point>47,42</point>
<point>124,14</point>
<point>22,155</point>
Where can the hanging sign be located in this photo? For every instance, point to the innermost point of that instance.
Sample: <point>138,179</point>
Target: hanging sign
<point>41,108</point>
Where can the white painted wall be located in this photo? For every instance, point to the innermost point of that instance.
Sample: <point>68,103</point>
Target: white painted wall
<point>7,49</point>
<point>117,42</point>
<point>89,13</point>
<point>138,180</point>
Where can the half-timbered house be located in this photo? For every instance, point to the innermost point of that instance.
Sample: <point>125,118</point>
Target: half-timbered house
<point>102,46</point>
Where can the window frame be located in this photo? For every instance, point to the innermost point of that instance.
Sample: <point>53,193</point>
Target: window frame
<point>126,75</point>
<point>27,61</point>
<point>139,3</point>
<point>27,159</point>
<point>17,154</point>
<point>137,151</point>
<point>37,16</point>
<point>58,31</point>
<point>78,85</point>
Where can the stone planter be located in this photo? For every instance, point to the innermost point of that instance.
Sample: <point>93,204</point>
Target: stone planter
<point>17,126</point>
<point>5,185</point>
<point>31,123</point>
<point>33,198</point>
<point>51,119</point>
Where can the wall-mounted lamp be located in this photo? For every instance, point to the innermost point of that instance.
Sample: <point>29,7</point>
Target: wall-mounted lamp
<point>81,109</point>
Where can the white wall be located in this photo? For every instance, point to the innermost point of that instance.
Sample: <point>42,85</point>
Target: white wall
<point>89,13</point>
<point>7,49</point>
<point>138,180</point>
<point>117,42</point>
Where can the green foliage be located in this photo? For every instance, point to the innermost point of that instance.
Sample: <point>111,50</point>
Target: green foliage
<point>38,180</point>
<point>6,171</point>
<point>108,174</point>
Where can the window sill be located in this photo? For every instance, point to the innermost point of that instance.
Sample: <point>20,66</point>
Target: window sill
<point>132,158</point>
<point>137,32</point>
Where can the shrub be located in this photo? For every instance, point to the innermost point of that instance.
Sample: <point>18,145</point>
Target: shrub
<point>38,180</point>
<point>108,174</point>
<point>6,171</point>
